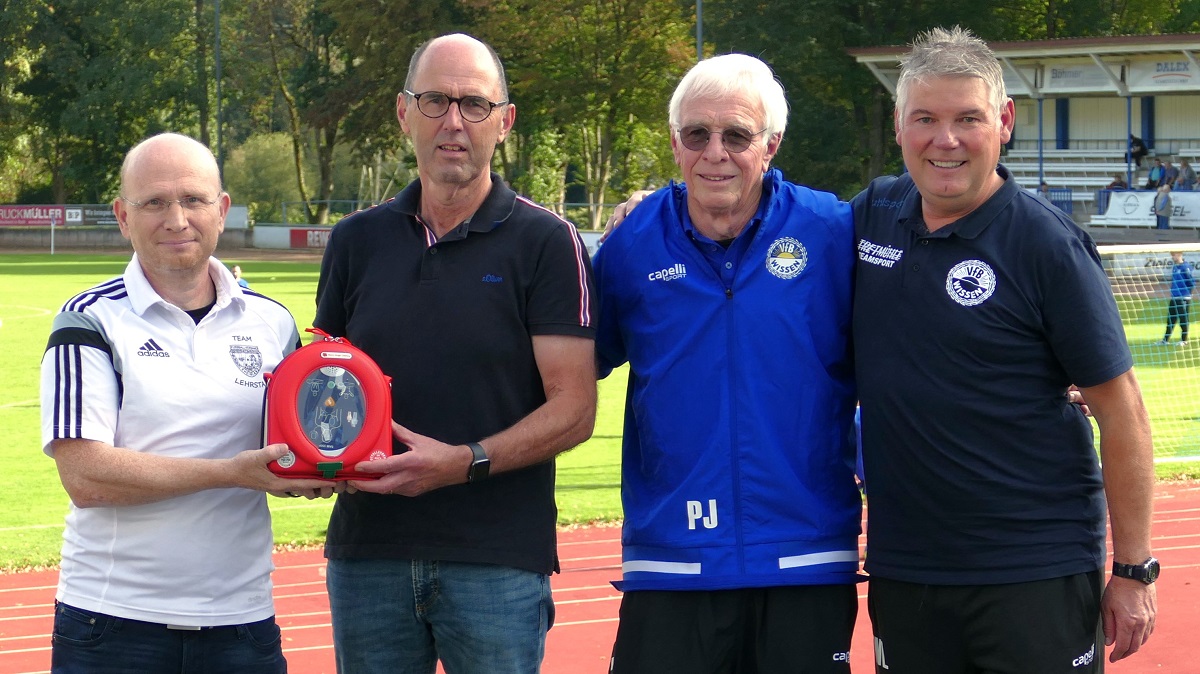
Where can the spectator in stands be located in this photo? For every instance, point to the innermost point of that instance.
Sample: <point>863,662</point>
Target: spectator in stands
<point>1044,191</point>
<point>1170,173</point>
<point>1137,150</point>
<point>1182,283</point>
<point>1118,183</point>
<point>1186,179</point>
<point>1155,176</point>
<point>1162,207</point>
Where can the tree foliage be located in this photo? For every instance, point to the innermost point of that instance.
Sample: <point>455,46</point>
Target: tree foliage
<point>83,80</point>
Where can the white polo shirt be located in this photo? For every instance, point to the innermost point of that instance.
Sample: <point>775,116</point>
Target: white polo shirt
<point>125,367</point>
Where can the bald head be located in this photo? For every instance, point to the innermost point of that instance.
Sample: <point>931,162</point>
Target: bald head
<point>199,157</point>
<point>456,43</point>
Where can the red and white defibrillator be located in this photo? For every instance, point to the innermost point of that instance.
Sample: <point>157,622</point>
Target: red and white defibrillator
<point>332,405</point>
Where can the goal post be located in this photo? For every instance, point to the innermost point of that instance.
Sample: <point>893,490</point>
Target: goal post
<point>1168,374</point>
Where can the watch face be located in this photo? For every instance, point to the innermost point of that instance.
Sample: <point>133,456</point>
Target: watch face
<point>1152,570</point>
<point>331,408</point>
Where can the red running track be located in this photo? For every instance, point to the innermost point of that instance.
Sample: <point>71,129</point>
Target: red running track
<point>587,604</point>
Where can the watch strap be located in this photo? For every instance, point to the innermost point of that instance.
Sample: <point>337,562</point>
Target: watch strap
<point>480,463</point>
<point>1146,572</point>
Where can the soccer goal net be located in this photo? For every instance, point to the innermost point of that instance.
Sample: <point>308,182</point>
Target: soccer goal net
<point>1166,364</point>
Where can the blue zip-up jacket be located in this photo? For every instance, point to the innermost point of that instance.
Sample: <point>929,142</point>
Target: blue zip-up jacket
<point>1182,280</point>
<point>738,454</point>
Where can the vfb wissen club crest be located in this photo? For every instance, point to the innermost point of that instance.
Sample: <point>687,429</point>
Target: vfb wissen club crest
<point>247,358</point>
<point>970,282</point>
<point>786,258</point>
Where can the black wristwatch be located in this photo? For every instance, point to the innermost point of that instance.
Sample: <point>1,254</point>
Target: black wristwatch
<point>1146,572</point>
<point>480,463</point>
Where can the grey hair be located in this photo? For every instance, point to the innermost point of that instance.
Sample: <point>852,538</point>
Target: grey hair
<point>956,52</point>
<point>722,76</point>
<point>416,60</point>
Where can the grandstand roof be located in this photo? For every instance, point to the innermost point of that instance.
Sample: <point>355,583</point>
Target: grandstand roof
<point>1123,65</point>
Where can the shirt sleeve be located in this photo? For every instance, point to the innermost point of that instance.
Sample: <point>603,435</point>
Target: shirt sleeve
<point>331,290</point>
<point>1081,318</point>
<point>561,295</point>
<point>80,386</point>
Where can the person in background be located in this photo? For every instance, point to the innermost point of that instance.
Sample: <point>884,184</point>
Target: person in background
<point>1137,150</point>
<point>1163,206</point>
<point>1179,306</point>
<point>152,411</point>
<point>1154,177</point>
<point>729,297</point>
<point>976,307</point>
<point>1186,179</point>
<point>1118,183</point>
<point>237,275</point>
<point>478,304</point>
<point>1170,173</point>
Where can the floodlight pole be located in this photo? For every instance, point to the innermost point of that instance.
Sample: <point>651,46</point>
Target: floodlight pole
<point>699,30</point>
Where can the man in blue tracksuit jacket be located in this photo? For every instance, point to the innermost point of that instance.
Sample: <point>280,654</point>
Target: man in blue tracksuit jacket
<point>738,451</point>
<point>738,460</point>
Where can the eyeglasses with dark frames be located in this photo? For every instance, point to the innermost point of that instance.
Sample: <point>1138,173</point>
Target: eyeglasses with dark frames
<point>735,139</point>
<point>434,104</point>
<point>156,205</point>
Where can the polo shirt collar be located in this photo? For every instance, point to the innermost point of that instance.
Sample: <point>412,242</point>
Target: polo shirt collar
<point>970,225</point>
<point>495,209</point>
<point>142,295</point>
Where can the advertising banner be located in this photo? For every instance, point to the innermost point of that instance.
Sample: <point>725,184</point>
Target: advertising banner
<point>71,215</point>
<point>1161,75</point>
<point>1077,77</point>
<point>1136,209</point>
<point>27,216</point>
<point>309,237</point>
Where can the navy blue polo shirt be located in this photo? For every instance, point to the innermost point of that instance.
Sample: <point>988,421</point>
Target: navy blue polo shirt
<point>965,342</point>
<point>451,321</point>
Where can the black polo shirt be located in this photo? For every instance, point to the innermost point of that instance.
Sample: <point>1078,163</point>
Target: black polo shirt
<point>451,322</point>
<point>965,342</point>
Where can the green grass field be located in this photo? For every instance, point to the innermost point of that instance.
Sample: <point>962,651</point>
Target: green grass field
<point>34,286</point>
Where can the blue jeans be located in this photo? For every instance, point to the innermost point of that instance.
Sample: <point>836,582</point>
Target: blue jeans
<point>86,642</point>
<point>1164,221</point>
<point>401,616</point>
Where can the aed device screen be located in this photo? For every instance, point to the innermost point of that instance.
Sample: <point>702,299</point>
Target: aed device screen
<point>331,409</point>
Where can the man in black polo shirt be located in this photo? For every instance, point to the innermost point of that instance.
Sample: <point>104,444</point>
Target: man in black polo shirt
<point>976,305</point>
<point>478,304</point>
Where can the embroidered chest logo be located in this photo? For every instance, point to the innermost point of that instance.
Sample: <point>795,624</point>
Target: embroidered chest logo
<point>786,258</point>
<point>878,255</point>
<point>247,358</point>
<point>672,273</point>
<point>970,282</point>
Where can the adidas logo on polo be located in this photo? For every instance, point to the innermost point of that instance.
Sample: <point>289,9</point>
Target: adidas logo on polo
<point>151,348</point>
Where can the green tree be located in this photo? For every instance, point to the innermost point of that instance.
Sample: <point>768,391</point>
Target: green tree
<point>601,71</point>
<point>107,74</point>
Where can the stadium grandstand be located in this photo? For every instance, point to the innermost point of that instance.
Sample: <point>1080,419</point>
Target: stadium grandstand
<point>1079,103</point>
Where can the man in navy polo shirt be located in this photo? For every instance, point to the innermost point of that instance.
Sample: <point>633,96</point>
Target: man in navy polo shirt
<point>478,304</point>
<point>976,305</point>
